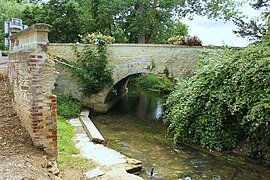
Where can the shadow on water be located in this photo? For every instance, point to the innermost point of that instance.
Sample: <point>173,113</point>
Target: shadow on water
<point>134,127</point>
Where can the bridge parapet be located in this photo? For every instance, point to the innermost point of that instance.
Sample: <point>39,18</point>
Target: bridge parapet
<point>126,60</point>
<point>31,79</point>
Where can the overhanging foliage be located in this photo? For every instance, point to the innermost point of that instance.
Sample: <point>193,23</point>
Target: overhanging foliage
<point>226,102</point>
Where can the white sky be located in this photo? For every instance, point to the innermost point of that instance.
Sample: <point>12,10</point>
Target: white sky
<point>216,32</point>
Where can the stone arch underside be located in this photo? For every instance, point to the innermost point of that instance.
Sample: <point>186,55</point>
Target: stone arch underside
<point>120,87</point>
<point>106,98</point>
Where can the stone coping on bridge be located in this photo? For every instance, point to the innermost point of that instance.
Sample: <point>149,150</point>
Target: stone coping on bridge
<point>140,45</point>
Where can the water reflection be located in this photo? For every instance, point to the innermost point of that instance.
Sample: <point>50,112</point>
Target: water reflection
<point>134,128</point>
<point>140,104</point>
<point>158,111</point>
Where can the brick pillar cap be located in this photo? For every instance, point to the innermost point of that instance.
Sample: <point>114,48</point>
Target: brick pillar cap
<point>40,27</point>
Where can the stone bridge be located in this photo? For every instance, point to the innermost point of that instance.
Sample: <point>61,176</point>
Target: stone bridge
<point>35,79</point>
<point>126,60</point>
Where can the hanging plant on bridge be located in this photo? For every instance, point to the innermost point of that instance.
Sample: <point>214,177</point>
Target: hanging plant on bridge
<point>91,64</point>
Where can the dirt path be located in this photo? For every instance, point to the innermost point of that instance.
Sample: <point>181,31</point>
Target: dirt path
<point>19,159</point>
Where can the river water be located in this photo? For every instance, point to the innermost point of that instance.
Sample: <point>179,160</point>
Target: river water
<point>134,127</point>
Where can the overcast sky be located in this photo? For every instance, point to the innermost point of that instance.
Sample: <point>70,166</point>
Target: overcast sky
<point>218,33</point>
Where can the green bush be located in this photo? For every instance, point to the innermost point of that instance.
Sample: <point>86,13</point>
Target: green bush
<point>226,102</point>
<point>68,107</point>
<point>155,83</point>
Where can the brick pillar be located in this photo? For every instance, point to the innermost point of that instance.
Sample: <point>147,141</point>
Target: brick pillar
<point>32,77</point>
<point>43,105</point>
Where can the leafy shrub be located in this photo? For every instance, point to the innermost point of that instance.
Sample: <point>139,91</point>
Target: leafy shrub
<point>153,82</point>
<point>68,107</point>
<point>226,102</point>
<point>91,66</point>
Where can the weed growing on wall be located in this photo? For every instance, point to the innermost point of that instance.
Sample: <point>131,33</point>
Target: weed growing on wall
<point>169,75</point>
<point>226,102</point>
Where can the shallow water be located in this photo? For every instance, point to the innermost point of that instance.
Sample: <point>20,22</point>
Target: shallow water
<point>134,127</point>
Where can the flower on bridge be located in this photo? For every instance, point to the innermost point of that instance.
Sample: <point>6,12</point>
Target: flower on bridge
<point>185,40</point>
<point>96,38</point>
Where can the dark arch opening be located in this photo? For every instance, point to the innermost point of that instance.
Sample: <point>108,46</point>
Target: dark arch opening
<point>120,88</point>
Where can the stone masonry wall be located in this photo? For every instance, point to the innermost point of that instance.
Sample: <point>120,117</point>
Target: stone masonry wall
<point>125,60</point>
<point>31,78</point>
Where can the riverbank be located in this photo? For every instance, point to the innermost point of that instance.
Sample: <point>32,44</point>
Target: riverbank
<point>110,164</point>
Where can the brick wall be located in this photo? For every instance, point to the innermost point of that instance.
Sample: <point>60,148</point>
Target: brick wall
<point>31,78</point>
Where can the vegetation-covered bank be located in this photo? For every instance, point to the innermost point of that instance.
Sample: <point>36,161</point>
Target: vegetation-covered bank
<point>226,103</point>
<point>153,83</point>
<point>68,108</point>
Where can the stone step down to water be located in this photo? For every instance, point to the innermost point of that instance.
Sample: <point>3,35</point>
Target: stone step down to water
<point>90,128</point>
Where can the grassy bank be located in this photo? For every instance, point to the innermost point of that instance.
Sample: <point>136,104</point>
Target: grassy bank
<point>68,108</point>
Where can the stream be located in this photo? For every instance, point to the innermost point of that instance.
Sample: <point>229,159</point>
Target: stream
<point>134,128</point>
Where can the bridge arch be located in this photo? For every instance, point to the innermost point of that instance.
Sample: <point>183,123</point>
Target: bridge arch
<point>127,60</point>
<point>120,87</point>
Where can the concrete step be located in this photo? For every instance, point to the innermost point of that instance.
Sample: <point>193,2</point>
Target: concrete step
<point>90,128</point>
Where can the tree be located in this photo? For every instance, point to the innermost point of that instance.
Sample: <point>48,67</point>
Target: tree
<point>9,9</point>
<point>144,20</point>
<point>62,15</point>
<point>256,28</point>
<point>152,18</point>
<point>135,20</point>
